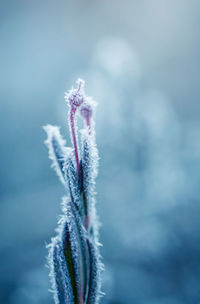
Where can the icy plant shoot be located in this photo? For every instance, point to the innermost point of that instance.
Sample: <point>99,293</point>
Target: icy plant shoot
<point>74,259</point>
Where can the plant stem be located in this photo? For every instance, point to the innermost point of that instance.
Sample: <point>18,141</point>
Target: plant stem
<point>88,123</point>
<point>74,141</point>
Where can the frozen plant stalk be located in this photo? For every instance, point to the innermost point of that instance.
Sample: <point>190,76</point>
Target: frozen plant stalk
<point>74,259</point>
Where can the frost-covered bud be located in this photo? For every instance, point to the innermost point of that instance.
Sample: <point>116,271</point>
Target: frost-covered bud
<point>88,107</point>
<point>76,97</point>
<point>86,110</point>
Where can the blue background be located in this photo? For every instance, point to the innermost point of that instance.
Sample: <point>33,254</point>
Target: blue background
<point>141,62</point>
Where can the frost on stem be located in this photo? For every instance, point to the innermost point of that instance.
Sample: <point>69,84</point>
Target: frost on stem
<point>74,259</point>
<point>75,98</point>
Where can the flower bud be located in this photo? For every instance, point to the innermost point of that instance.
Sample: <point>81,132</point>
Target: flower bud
<point>76,97</point>
<point>86,110</point>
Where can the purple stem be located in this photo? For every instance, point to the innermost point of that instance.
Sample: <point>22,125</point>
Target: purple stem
<point>88,123</point>
<point>74,141</point>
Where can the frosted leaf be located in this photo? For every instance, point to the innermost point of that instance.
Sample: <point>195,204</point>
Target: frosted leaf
<point>84,249</point>
<point>90,160</point>
<point>60,279</point>
<point>70,208</point>
<point>71,250</point>
<point>96,268</point>
<point>57,150</point>
<point>72,180</point>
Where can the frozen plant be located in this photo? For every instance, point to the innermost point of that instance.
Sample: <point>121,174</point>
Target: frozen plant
<point>74,259</point>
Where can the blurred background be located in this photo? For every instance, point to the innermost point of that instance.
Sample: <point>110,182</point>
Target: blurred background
<point>141,62</point>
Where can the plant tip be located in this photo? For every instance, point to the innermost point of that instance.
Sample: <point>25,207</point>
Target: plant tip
<point>81,83</point>
<point>76,97</point>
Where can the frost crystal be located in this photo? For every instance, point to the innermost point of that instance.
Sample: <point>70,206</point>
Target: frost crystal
<point>74,259</point>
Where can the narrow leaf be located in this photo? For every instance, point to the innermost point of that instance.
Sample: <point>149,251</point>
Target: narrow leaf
<point>96,268</point>
<point>57,150</point>
<point>59,274</point>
